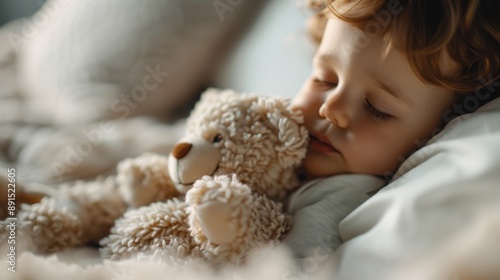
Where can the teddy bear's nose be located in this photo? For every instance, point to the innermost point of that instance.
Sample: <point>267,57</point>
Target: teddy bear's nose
<point>180,150</point>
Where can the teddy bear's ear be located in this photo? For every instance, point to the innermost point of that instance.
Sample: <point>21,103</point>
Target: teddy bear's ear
<point>213,93</point>
<point>288,124</point>
<point>214,99</point>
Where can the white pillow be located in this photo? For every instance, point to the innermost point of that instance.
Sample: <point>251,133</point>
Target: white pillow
<point>440,216</point>
<point>83,60</point>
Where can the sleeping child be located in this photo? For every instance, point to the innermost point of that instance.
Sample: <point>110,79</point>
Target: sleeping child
<point>384,75</point>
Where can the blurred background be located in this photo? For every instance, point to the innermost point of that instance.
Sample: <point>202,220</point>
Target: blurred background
<point>276,40</point>
<point>12,9</point>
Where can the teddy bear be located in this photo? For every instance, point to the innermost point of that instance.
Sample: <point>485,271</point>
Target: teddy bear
<point>217,195</point>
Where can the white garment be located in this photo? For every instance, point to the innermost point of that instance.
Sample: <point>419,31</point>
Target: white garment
<point>320,205</point>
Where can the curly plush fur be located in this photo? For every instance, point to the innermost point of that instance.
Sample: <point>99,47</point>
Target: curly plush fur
<point>215,197</point>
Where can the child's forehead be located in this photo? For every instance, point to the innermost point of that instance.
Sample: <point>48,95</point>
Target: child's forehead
<point>343,42</point>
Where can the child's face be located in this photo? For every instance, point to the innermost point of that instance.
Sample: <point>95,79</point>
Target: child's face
<point>365,112</point>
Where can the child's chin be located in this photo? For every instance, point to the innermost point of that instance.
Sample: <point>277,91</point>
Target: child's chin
<point>318,165</point>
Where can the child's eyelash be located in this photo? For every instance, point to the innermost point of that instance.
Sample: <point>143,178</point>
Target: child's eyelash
<point>323,83</point>
<point>376,113</point>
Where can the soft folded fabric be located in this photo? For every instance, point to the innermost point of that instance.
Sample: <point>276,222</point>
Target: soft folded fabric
<point>319,206</point>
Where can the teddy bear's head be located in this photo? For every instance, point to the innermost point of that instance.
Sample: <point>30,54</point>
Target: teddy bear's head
<point>258,138</point>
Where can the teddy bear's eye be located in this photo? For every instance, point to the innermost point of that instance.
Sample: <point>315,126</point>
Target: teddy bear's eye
<point>217,138</point>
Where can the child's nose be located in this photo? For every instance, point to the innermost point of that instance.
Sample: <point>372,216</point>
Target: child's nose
<point>336,109</point>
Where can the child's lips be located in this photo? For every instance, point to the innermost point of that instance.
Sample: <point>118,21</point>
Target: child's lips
<point>321,144</point>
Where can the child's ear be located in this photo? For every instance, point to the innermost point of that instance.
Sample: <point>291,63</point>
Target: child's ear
<point>288,124</point>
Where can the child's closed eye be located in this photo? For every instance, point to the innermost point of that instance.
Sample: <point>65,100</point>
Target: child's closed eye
<point>375,112</point>
<point>324,83</point>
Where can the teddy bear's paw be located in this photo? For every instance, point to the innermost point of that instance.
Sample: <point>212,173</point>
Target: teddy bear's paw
<point>220,210</point>
<point>145,179</point>
<point>49,227</point>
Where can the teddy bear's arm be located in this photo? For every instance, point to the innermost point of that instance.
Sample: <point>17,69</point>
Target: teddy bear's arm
<point>228,219</point>
<point>145,179</point>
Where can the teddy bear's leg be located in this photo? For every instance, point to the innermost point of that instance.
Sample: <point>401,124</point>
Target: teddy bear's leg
<point>145,179</point>
<point>228,220</point>
<point>82,213</point>
<point>50,225</point>
<point>161,226</point>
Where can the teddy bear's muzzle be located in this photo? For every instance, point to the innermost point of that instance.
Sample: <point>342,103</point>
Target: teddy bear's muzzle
<point>190,159</point>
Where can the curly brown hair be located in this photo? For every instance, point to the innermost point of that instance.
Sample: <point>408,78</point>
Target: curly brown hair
<point>467,31</point>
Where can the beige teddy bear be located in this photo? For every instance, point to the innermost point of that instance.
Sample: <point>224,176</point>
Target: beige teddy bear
<point>216,196</point>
